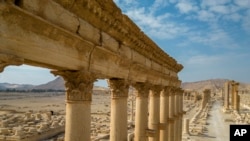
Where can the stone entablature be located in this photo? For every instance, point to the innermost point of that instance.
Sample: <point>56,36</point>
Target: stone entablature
<point>107,17</point>
<point>58,30</point>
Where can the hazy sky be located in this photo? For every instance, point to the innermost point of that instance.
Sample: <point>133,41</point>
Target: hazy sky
<point>211,38</point>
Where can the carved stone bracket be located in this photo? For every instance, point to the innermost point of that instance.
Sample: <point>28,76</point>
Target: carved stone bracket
<point>79,84</point>
<point>118,87</point>
<point>7,59</point>
<point>142,89</point>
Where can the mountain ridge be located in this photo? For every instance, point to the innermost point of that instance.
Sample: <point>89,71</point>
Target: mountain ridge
<point>58,84</point>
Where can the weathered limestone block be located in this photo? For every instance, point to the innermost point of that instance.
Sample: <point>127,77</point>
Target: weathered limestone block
<point>43,127</point>
<point>32,130</point>
<point>4,123</point>
<point>4,131</point>
<point>125,51</point>
<point>148,62</point>
<point>137,57</point>
<point>87,31</point>
<point>156,66</point>
<point>38,116</point>
<point>47,116</point>
<point>55,124</point>
<point>109,42</point>
<point>52,12</point>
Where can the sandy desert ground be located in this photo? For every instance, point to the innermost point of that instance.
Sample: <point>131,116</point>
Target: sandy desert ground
<point>215,127</point>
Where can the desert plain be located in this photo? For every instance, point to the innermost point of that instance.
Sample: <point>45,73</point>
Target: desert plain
<point>36,113</point>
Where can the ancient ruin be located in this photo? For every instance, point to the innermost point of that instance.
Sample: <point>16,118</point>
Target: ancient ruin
<point>30,126</point>
<point>87,40</point>
<point>231,96</point>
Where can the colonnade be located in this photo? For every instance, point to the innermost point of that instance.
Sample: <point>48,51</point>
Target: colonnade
<point>114,48</point>
<point>231,90</point>
<point>158,114</point>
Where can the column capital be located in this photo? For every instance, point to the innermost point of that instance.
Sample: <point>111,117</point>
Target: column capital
<point>166,91</point>
<point>232,82</point>
<point>174,91</point>
<point>156,90</point>
<point>142,88</point>
<point>180,91</point>
<point>78,84</point>
<point>118,87</point>
<point>7,59</point>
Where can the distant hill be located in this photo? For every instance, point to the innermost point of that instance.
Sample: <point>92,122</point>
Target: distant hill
<point>57,84</point>
<point>4,86</point>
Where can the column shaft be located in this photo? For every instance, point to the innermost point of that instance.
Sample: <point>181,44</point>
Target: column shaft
<point>176,115</point>
<point>79,86</point>
<point>226,96</point>
<point>164,109</point>
<point>182,112</point>
<point>141,109</point>
<point>186,126</point>
<point>232,94</point>
<point>154,114</point>
<point>118,121</point>
<point>235,106</point>
<point>78,119</point>
<point>118,125</point>
<point>171,115</point>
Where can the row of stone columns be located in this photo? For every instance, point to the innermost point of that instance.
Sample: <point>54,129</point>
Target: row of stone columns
<point>231,88</point>
<point>162,121</point>
<point>158,109</point>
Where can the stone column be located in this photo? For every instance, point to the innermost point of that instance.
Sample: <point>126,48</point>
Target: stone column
<point>180,113</point>
<point>205,97</point>
<point>164,113</point>
<point>176,115</point>
<point>79,85</point>
<point>141,109</point>
<point>186,126</point>
<point>154,114</point>
<point>6,60</point>
<point>171,115</point>
<point>235,106</point>
<point>238,102</point>
<point>232,94</point>
<point>118,122</point>
<point>226,96</point>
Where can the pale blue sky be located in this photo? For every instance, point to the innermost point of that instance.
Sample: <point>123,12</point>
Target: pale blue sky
<point>211,38</point>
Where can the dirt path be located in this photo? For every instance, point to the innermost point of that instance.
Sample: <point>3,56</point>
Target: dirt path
<point>218,129</point>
